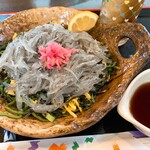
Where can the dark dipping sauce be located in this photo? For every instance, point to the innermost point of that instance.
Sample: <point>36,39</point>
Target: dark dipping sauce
<point>140,104</point>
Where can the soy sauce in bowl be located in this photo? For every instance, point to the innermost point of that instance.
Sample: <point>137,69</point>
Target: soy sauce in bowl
<point>134,105</point>
<point>140,104</point>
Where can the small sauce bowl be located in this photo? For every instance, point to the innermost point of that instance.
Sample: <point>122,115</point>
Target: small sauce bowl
<point>124,107</point>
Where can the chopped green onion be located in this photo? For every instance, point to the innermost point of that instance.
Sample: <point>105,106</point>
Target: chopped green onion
<point>39,117</point>
<point>49,117</point>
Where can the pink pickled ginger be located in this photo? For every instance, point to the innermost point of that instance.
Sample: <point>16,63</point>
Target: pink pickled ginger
<point>54,55</point>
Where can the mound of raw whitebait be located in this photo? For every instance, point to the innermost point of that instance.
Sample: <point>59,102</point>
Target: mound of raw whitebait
<point>85,68</point>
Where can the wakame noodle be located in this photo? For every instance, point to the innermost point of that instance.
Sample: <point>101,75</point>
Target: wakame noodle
<point>86,68</point>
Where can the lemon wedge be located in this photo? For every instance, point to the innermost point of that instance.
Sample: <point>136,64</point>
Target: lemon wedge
<point>82,21</point>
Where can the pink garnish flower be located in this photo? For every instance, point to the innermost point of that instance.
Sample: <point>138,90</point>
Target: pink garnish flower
<point>54,55</point>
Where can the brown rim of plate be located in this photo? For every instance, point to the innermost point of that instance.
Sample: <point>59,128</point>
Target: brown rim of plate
<point>28,19</point>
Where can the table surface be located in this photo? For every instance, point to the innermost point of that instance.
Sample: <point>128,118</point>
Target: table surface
<point>112,122</point>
